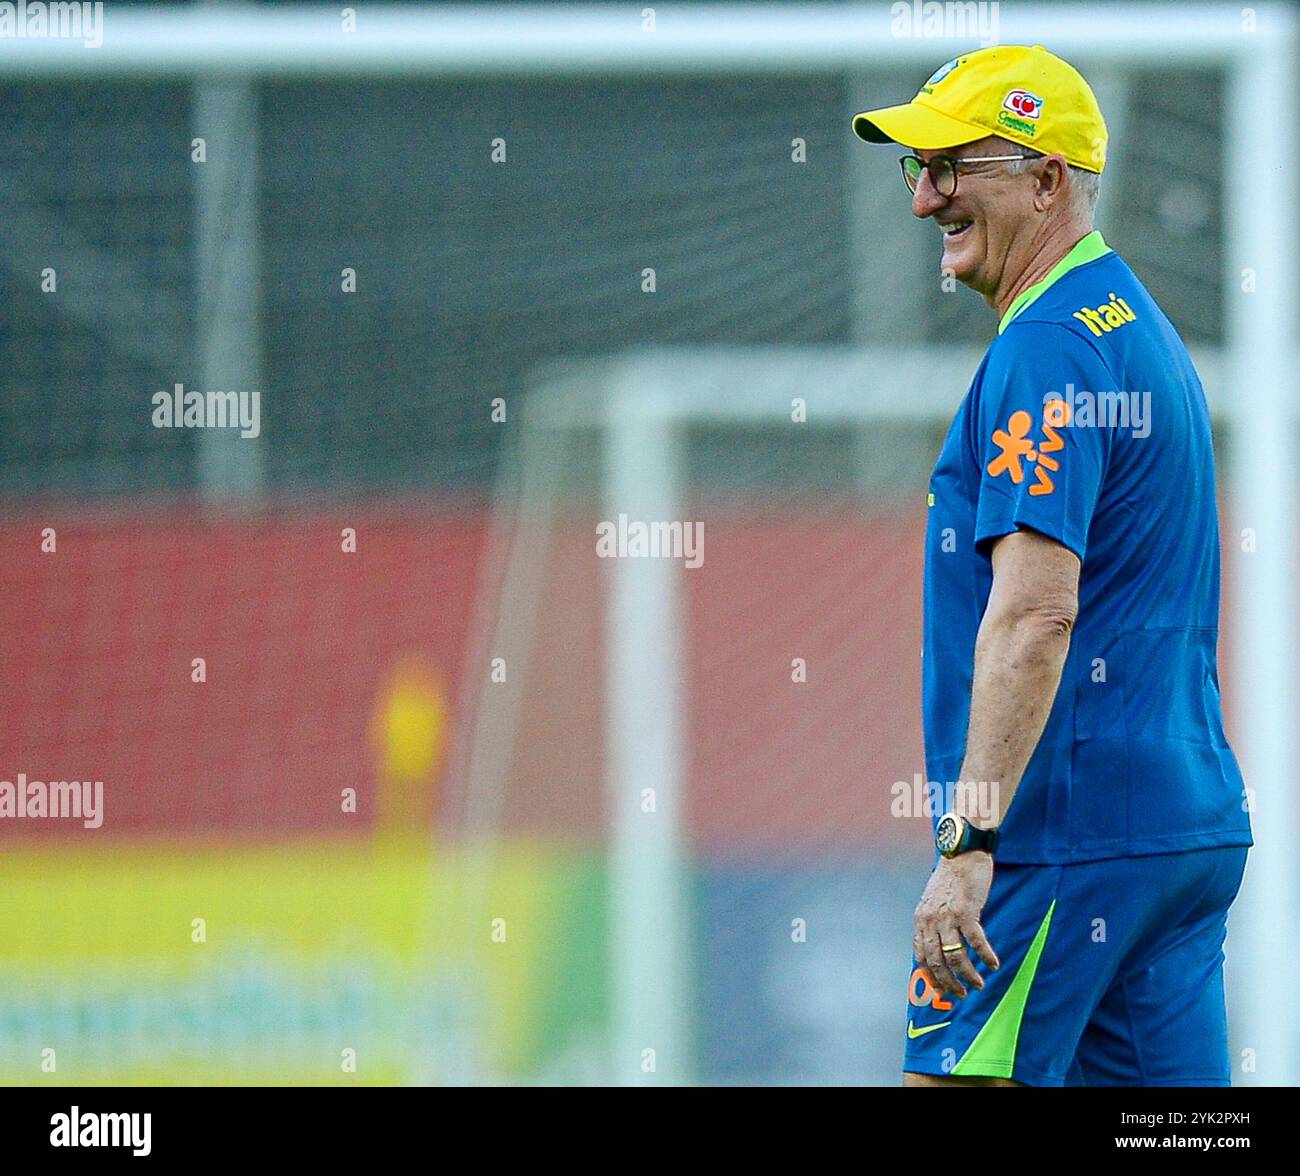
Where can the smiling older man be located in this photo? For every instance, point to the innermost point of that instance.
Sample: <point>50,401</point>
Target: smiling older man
<point>1070,684</point>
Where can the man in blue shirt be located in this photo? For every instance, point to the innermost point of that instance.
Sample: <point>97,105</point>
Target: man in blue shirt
<point>1071,698</point>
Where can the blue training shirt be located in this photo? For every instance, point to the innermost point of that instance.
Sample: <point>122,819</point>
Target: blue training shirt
<point>1086,421</point>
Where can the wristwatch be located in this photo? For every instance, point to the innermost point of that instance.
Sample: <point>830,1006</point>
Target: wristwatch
<point>956,835</point>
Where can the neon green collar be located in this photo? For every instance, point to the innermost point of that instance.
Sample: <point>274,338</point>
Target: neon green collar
<point>1087,249</point>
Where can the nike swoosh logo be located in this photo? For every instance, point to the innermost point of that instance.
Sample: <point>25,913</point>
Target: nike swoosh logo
<point>913,1031</point>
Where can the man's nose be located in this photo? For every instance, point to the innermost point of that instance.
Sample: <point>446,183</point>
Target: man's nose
<point>926,201</point>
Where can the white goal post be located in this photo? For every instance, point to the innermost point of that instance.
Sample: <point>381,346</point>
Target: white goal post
<point>1256,386</point>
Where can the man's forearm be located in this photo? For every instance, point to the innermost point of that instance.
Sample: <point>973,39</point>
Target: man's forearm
<point>1018,663</point>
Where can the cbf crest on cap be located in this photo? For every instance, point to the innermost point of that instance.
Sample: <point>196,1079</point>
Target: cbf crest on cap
<point>1021,93</point>
<point>942,72</point>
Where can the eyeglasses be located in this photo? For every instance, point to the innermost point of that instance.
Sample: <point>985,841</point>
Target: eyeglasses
<point>943,169</point>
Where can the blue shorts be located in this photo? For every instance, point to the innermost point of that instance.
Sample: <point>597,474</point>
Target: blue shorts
<point>1112,975</point>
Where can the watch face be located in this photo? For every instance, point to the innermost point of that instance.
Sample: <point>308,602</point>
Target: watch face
<point>948,833</point>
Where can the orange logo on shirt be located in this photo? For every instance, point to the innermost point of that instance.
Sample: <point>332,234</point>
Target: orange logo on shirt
<point>1014,444</point>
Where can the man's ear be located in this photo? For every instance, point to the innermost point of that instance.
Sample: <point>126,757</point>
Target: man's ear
<point>1052,176</point>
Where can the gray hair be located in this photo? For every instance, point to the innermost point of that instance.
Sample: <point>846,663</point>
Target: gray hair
<point>1085,186</point>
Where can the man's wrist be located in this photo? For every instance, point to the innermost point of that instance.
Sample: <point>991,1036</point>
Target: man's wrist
<point>956,835</point>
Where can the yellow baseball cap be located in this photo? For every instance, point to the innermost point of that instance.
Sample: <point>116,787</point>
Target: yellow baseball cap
<point>1017,92</point>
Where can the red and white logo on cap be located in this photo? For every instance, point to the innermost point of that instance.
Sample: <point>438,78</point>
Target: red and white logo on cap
<point>1023,104</point>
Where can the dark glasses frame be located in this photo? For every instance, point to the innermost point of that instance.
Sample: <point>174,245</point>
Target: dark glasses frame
<point>944,178</point>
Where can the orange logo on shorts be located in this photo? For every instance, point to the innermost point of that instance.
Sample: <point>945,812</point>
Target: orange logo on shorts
<point>929,995</point>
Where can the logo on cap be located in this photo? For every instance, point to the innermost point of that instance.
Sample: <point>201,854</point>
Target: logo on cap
<point>943,71</point>
<point>1023,104</point>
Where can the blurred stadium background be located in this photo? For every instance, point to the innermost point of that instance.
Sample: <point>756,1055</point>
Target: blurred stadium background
<point>501,378</point>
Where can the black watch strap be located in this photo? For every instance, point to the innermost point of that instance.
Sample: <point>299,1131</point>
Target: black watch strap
<point>979,839</point>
